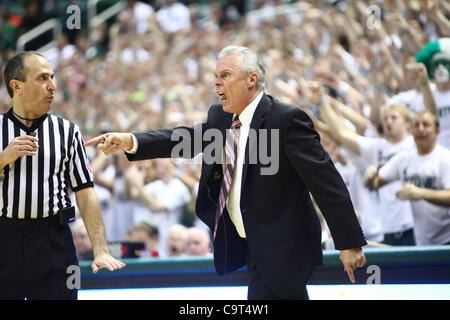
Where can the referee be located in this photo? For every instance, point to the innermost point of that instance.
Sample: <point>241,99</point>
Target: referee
<point>42,161</point>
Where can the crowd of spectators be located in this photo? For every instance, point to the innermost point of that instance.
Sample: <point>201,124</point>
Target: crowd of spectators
<point>152,67</point>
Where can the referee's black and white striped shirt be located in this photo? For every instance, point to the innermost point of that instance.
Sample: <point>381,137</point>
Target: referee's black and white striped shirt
<point>35,187</point>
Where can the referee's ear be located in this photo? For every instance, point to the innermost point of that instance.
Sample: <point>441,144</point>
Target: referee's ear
<point>16,87</point>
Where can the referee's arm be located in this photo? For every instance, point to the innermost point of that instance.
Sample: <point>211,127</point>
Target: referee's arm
<point>89,207</point>
<point>81,181</point>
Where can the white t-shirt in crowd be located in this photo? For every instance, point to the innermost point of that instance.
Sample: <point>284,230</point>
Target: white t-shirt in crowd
<point>414,101</point>
<point>366,203</point>
<point>122,213</point>
<point>174,196</point>
<point>443,105</point>
<point>431,171</point>
<point>142,13</point>
<point>396,215</point>
<point>174,18</point>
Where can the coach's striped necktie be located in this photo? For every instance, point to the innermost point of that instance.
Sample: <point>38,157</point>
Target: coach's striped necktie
<point>231,145</point>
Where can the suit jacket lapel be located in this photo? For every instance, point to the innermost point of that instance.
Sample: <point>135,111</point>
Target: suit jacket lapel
<point>222,122</point>
<point>257,122</point>
<point>225,124</point>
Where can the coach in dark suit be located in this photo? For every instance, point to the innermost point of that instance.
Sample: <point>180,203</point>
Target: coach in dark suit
<point>268,222</point>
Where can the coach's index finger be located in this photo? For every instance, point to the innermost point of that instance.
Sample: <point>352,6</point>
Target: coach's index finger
<point>350,274</point>
<point>96,140</point>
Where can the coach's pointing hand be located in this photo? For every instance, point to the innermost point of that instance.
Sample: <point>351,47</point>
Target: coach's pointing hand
<point>112,142</point>
<point>352,259</point>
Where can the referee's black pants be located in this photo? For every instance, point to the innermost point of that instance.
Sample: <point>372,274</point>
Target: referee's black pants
<point>34,257</point>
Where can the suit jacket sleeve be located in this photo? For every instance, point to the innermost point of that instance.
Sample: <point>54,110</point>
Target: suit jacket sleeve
<point>315,168</point>
<point>179,142</point>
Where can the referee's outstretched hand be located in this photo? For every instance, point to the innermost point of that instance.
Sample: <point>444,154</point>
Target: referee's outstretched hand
<point>105,260</point>
<point>112,142</point>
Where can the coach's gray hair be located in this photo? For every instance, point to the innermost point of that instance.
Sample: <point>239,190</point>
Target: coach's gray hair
<point>248,63</point>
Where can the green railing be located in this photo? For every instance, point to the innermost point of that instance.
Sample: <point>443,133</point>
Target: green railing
<point>429,264</point>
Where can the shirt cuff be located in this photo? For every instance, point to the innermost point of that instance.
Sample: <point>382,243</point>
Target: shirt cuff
<point>135,145</point>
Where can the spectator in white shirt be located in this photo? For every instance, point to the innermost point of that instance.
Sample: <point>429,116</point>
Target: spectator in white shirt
<point>425,174</point>
<point>395,215</point>
<point>173,17</point>
<point>142,12</point>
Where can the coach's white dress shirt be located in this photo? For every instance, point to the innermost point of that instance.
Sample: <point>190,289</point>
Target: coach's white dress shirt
<point>234,198</point>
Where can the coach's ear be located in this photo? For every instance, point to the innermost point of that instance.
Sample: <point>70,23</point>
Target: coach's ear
<point>252,80</point>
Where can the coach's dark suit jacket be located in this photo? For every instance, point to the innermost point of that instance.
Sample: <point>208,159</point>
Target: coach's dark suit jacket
<point>281,224</point>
